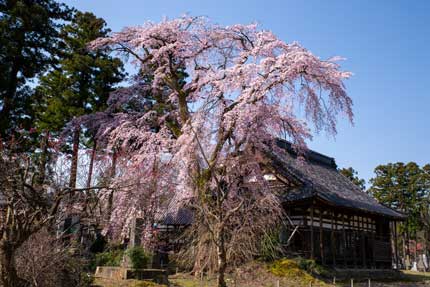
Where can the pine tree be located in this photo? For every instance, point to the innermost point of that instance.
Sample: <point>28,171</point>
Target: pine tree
<point>352,175</point>
<point>403,187</point>
<point>29,45</point>
<point>81,84</point>
<point>399,186</point>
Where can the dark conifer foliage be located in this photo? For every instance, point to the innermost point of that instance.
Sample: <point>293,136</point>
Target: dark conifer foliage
<point>352,175</point>
<point>83,80</point>
<point>29,44</point>
<point>80,84</point>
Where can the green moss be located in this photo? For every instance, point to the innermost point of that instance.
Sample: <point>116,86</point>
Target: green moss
<point>145,284</point>
<point>312,267</point>
<point>291,269</point>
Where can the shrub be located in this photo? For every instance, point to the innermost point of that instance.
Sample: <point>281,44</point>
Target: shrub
<point>311,266</point>
<point>139,257</point>
<point>109,258</point>
<point>45,260</point>
<point>270,246</point>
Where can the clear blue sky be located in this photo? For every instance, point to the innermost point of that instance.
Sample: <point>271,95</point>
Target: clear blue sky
<point>386,44</point>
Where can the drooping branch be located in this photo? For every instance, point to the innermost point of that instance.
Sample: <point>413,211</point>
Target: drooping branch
<point>205,101</point>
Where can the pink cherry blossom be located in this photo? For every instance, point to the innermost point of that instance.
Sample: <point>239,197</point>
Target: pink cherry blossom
<point>213,92</point>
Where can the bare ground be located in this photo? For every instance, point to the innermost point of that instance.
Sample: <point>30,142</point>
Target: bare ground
<point>258,275</point>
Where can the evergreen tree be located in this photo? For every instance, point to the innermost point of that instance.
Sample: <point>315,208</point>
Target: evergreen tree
<point>84,79</point>
<point>81,84</point>
<point>400,186</point>
<point>29,43</point>
<point>403,187</point>
<point>426,203</point>
<point>352,175</point>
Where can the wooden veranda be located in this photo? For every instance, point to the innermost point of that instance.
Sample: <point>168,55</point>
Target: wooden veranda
<point>329,218</point>
<point>341,238</point>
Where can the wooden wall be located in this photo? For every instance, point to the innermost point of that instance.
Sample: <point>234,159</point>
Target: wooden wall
<point>336,237</point>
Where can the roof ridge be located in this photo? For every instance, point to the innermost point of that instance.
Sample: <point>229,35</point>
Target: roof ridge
<point>309,153</point>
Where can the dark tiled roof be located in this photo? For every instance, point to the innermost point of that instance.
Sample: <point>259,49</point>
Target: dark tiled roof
<point>320,177</point>
<point>183,216</point>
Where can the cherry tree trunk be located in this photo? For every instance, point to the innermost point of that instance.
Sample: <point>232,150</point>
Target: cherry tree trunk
<point>222,261</point>
<point>74,166</point>
<point>8,273</point>
<point>112,175</point>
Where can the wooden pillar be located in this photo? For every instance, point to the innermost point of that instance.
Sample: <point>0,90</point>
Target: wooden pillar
<point>396,254</point>
<point>354,241</point>
<point>344,242</point>
<point>321,237</point>
<point>305,243</point>
<point>363,242</point>
<point>312,231</point>
<point>373,246</point>
<point>333,241</point>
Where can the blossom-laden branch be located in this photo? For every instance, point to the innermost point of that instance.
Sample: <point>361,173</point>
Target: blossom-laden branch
<point>235,76</point>
<point>205,98</point>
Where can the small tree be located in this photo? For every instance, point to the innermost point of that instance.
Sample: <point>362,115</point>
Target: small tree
<point>28,205</point>
<point>46,260</point>
<point>222,95</point>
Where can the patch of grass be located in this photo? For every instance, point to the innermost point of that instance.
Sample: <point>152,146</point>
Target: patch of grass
<point>255,274</point>
<point>124,283</point>
<point>413,276</point>
<point>191,282</point>
<point>188,280</point>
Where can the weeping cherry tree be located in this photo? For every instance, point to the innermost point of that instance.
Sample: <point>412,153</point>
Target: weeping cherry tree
<point>205,102</point>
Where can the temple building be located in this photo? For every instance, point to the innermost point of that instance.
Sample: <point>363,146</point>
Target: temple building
<point>329,218</point>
